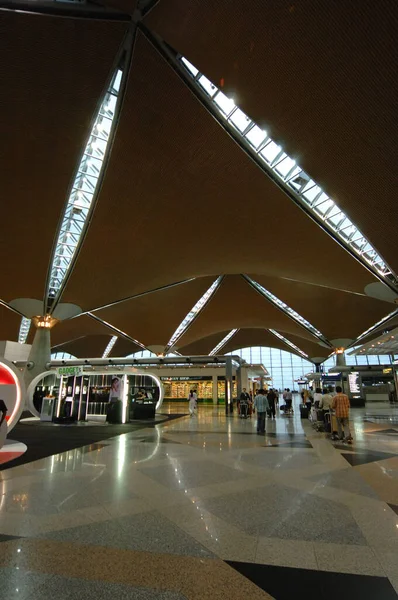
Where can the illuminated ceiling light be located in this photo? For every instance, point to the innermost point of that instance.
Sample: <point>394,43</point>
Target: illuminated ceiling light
<point>24,330</point>
<point>288,342</point>
<point>109,346</point>
<point>84,187</point>
<point>287,310</point>
<point>293,178</point>
<point>193,313</point>
<point>223,342</point>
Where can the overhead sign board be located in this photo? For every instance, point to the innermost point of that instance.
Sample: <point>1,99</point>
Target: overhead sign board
<point>70,371</point>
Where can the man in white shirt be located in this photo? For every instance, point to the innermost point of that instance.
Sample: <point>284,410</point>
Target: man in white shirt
<point>326,402</point>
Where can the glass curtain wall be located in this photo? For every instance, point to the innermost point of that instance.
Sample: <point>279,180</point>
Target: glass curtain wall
<point>284,367</point>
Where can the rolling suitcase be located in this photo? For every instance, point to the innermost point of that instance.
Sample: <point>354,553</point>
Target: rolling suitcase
<point>303,411</point>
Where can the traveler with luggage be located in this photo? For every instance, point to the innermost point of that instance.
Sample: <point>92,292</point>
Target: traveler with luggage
<point>244,400</point>
<point>261,405</point>
<point>288,401</point>
<point>341,405</point>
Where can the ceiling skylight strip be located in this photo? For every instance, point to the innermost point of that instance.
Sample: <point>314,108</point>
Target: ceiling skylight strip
<point>394,313</point>
<point>193,313</point>
<point>299,184</point>
<point>288,342</point>
<point>24,330</point>
<point>109,346</point>
<point>116,330</point>
<point>223,342</point>
<point>84,187</point>
<point>287,310</point>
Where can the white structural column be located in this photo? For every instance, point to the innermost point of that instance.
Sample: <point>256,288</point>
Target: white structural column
<point>215,389</point>
<point>40,352</point>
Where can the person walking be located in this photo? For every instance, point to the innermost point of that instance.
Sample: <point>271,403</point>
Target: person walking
<point>261,404</point>
<point>244,400</point>
<point>192,402</point>
<point>341,405</point>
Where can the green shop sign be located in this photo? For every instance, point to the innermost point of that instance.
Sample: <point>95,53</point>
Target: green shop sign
<point>69,371</point>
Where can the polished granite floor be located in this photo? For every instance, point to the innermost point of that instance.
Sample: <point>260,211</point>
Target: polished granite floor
<point>202,507</point>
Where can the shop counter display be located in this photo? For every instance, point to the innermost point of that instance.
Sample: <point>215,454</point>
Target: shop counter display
<point>142,410</point>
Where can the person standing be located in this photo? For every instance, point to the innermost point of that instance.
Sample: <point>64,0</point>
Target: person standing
<point>3,423</point>
<point>271,398</point>
<point>192,402</point>
<point>341,405</point>
<point>261,404</point>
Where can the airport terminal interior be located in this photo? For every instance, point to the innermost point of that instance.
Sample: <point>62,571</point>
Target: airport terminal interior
<point>199,300</point>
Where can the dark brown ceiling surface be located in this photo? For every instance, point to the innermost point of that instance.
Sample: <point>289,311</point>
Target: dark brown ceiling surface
<point>314,350</point>
<point>236,304</point>
<point>124,347</point>
<point>53,72</point>
<point>180,199</point>
<point>79,327</point>
<point>203,346</point>
<point>379,331</point>
<point>335,313</point>
<point>245,338</point>
<point>89,346</point>
<point>320,76</point>
<point>9,324</point>
<point>152,319</point>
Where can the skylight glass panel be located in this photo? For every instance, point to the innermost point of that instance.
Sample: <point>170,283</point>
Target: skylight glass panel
<point>270,152</point>
<point>240,120</point>
<point>306,190</point>
<point>312,193</point>
<point>256,136</point>
<point>288,342</point>
<point>207,85</point>
<point>225,104</point>
<point>24,330</point>
<point>223,342</point>
<point>83,188</point>
<point>285,166</point>
<point>110,346</point>
<point>190,66</point>
<point>193,313</point>
<point>323,208</point>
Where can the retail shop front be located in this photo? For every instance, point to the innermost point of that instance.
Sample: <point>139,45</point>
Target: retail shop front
<point>72,393</point>
<point>208,382</point>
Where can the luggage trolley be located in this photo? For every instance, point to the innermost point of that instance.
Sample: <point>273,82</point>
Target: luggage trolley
<point>331,424</point>
<point>244,408</point>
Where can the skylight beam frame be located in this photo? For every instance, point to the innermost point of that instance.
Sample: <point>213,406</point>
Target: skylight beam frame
<point>193,314</point>
<point>288,311</point>
<point>83,215</point>
<point>223,342</point>
<point>387,276</point>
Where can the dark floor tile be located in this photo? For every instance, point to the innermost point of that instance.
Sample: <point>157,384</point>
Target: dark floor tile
<point>394,507</point>
<point>285,583</point>
<point>7,538</point>
<point>363,457</point>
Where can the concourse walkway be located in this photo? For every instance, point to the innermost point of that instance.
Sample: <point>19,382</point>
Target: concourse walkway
<point>203,508</point>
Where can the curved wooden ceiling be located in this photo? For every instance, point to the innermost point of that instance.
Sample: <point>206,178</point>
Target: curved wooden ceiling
<point>53,71</point>
<point>320,76</point>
